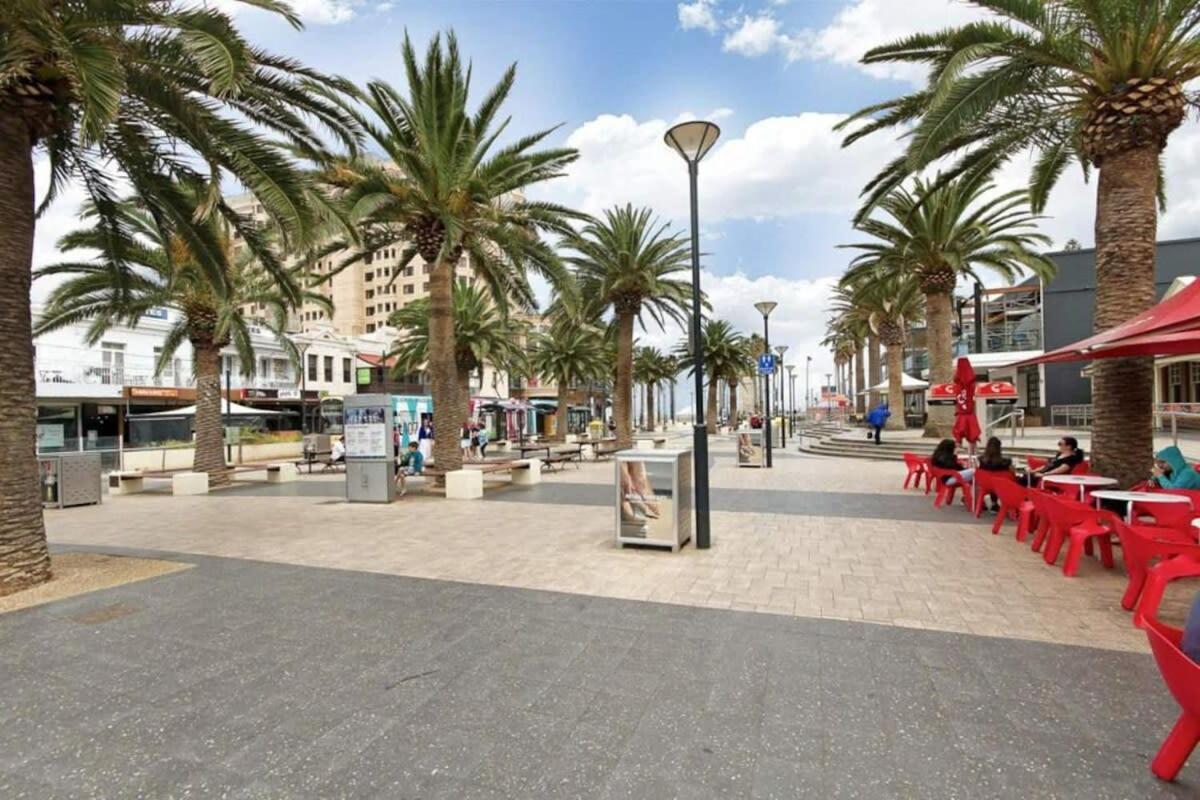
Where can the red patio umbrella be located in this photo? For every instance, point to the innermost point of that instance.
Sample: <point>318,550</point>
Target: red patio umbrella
<point>966,424</point>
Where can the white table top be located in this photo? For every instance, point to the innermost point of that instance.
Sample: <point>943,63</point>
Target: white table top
<point>1081,480</point>
<point>1141,497</point>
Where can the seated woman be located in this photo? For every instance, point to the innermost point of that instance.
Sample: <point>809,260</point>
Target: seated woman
<point>1069,456</point>
<point>993,460</point>
<point>1171,471</point>
<point>945,457</point>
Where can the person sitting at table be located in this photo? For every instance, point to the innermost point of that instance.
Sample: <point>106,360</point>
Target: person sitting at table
<point>337,452</point>
<point>1171,471</point>
<point>945,457</point>
<point>411,463</point>
<point>1069,456</point>
<point>993,460</point>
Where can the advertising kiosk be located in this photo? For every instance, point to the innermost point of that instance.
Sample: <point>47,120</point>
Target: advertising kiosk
<point>654,497</point>
<point>370,449</point>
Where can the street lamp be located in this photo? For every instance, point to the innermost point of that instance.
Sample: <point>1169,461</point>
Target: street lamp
<point>781,349</point>
<point>807,391</point>
<point>693,140</point>
<point>791,369</point>
<point>765,308</point>
<point>829,385</point>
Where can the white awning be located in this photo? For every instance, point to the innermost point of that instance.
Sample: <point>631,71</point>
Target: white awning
<point>907,382</point>
<point>235,409</point>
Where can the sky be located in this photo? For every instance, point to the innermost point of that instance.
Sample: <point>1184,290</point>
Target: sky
<point>778,190</point>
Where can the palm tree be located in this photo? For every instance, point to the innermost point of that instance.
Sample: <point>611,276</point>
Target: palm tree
<point>568,354</point>
<point>150,91</point>
<point>724,352</point>
<point>633,265</point>
<point>756,346</point>
<point>889,306</point>
<point>1100,83</point>
<point>739,369</point>
<point>941,231</point>
<point>650,368</point>
<point>148,264</point>
<point>447,190</point>
<point>483,334</point>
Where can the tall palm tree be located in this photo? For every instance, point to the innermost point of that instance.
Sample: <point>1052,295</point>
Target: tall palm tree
<point>568,354</point>
<point>447,190</point>
<point>889,306</point>
<point>756,346</point>
<point>941,231</point>
<point>149,91</point>
<point>149,263</point>
<point>724,352</point>
<point>1098,83</point>
<point>483,334</point>
<point>630,263</point>
<point>650,368</point>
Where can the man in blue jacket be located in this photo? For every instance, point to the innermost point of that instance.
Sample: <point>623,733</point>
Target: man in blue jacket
<point>1171,471</point>
<point>877,418</point>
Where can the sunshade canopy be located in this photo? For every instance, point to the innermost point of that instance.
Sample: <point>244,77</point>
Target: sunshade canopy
<point>907,382</point>
<point>235,410</point>
<point>1170,328</point>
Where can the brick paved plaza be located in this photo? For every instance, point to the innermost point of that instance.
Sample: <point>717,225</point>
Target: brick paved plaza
<point>840,639</point>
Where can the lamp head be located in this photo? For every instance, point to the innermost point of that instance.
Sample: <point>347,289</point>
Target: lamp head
<point>781,349</point>
<point>692,140</point>
<point>791,368</point>
<point>765,307</point>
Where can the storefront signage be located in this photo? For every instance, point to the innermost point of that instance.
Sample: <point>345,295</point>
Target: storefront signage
<point>288,394</point>
<point>152,391</point>
<point>156,313</point>
<point>366,433</point>
<point>363,376</point>
<point>994,392</point>
<point>259,394</point>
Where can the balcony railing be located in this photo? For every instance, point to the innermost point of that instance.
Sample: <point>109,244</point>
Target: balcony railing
<point>126,376</point>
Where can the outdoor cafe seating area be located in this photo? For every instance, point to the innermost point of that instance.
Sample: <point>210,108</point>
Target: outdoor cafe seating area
<point>1062,519</point>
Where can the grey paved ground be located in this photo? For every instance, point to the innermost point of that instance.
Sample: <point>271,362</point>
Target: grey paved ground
<point>244,679</point>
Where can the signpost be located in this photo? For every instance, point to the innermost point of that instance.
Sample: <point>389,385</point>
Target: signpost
<point>766,364</point>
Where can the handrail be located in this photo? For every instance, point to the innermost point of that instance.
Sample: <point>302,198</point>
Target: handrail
<point>1014,415</point>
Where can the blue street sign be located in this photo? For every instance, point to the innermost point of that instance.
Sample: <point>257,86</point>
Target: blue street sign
<point>766,364</point>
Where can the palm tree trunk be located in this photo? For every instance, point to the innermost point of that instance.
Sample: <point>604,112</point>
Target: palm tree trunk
<point>860,399</point>
<point>623,388</point>
<point>895,368</point>
<point>24,557</point>
<point>710,413</point>
<point>874,368</point>
<point>443,369</point>
<point>733,405</point>
<point>938,315</point>
<point>671,389</point>
<point>650,405</point>
<point>560,413</point>
<point>210,439</point>
<point>463,377</point>
<point>1123,388</point>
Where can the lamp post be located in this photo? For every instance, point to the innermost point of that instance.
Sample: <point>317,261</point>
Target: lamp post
<point>791,370</point>
<point>783,427</point>
<point>693,140</point>
<point>829,385</point>
<point>765,308</point>
<point>807,390</point>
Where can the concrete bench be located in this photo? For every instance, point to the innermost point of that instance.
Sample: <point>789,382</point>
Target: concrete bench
<point>283,472</point>
<point>651,443</point>
<point>467,483</point>
<point>126,482</point>
<point>185,483</point>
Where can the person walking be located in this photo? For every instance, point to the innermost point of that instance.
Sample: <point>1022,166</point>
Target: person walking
<point>877,418</point>
<point>484,437</point>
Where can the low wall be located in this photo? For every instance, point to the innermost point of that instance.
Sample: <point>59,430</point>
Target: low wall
<point>182,457</point>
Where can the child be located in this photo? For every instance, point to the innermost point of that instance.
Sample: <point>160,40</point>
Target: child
<point>411,463</point>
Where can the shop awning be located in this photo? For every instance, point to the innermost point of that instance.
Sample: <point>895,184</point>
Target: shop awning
<point>907,382</point>
<point>235,409</point>
<point>1177,315</point>
<point>373,360</point>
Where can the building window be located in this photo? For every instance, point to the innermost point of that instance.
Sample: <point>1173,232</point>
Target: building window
<point>329,369</point>
<point>1194,368</point>
<point>370,310</point>
<point>312,366</point>
<point>264,368</point>
<point>346,370</point>
<point>370,276</point>
<point>425,269</point>
<point>370,294</point>
<point>408,271</point>
<point>1175,383</point>
<point>370,327</point>
<point>112,360</point>
<point>368,258</point>
<point>409,288</point>
<point>425,287</point>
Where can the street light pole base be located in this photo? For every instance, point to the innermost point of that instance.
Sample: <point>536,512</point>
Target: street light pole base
<point>700,450</point>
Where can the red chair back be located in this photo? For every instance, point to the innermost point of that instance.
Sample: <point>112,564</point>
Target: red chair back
<point>1179,672</point>
<point>1082,468</point>
<point>914,462</point>
<point>1035,463</point>
<point>1065,513</point>
<point>1010,492</point>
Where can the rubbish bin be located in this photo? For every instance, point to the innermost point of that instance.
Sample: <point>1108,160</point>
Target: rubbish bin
<point>69,479</point>
<point>654,497</point>
<point>750,450</point>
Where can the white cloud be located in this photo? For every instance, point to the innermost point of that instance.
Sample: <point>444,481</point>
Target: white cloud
<point>383,8</point>
<point>798,321</point>
<point>699,14</point>
<point>754,36</point>
<point>312,12</point>
<point>720,113</point>
<point>868,23</point>
<point>779,167</point>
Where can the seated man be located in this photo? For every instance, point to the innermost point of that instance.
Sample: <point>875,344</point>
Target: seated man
<point>337,452</point>
<point>411,463</point>
<point>1069,456</point>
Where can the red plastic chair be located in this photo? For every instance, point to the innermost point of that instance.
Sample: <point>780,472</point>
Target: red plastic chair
<point>947,488</point>
<point>1035,463</point>
<point>1182,677</point>
<point>1185,564</point>
<point>1082,468</point>
<point>1165,515</point>
<point>1076,525</point>
<point>1042,517</point>
<point>1141,547</point>
<point>985,481</point>
<point>916,470</point>
<point>1015,504</point>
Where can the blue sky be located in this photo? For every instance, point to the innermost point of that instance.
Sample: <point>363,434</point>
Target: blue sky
<point>777,191</point>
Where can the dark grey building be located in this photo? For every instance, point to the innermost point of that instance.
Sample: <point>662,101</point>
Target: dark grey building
<point>1068,303</point>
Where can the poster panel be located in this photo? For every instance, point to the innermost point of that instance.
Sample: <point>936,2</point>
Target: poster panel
<point>365,434</point>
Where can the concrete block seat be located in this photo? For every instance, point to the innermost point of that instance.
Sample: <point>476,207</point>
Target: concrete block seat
<point>185,483</point>
<point>282,472</point>
<point>467,483</point>
<point>126,483</point>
